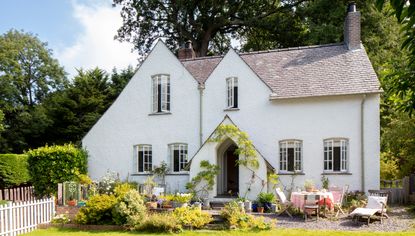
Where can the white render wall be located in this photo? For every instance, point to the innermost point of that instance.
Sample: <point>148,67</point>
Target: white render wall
<point>310,119</point>
<point>128,121</point>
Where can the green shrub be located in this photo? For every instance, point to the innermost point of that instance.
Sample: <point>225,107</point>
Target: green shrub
<point>98,210</point>
<point>121,189</point>
<point>130,210</point>
<point>236,218</point>
<point>159,223</point>
<point>192,217</point>
<point>49,166</point>
<point>266,197</point>
<point>3,202</point>
<point>13,170</point>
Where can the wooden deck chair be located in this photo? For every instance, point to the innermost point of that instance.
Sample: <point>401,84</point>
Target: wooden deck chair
<point>338,197</point>
<point>376,205</point>
<point>285,204</point>
<point>311,205</point>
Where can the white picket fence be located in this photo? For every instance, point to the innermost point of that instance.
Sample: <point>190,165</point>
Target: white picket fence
<point>22,217</point>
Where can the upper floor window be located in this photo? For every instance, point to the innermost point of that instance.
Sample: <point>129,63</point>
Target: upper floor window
<point>178,154</point>
<point>290,155</point>
<point>232,89</point>
<point>161,93</point>
<point>335,155</point>
<point>144,155</point>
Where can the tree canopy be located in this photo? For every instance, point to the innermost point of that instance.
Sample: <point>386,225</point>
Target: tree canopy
<point>206,23</point>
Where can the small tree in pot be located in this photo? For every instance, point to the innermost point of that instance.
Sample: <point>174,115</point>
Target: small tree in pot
<point>266,200</point>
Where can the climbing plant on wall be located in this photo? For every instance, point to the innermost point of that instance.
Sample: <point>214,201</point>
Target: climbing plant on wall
<point>246,151</point>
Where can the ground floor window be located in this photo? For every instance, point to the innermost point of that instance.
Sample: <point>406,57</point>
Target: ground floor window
<point>178,155</point>
<point>335,155</point>
<point>290,155</point>
<point>144,157</point>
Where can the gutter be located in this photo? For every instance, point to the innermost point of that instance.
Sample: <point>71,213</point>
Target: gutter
<point>362,142</point>
<point>201,87</point>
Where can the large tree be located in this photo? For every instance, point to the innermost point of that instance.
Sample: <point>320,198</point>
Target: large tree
<point>206,23</point>
<point>28,74</point>
<point>401,88</point>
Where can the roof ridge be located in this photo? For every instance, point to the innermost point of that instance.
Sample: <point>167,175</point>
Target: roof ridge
<point>202,58</point>
<point>267,51</point>
<point>292,48</point>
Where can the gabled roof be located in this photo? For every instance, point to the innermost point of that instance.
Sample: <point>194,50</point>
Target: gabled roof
<point>324,70</point>
<point>201,68</point>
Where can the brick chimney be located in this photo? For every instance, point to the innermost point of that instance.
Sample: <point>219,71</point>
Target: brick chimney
<point>186,52</point>
<point>352,27</point>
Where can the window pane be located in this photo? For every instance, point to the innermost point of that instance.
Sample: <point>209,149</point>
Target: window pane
<point>235,97</point>
<point>176,161</point>
<point>140,161</point>
<point>336,157</point>
<point>290,159</point>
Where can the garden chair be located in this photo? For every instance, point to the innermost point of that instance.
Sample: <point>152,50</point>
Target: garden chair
<point>311,205</point>
<point>285,204</point>
<point>376,205</point>
<point>338,197</point>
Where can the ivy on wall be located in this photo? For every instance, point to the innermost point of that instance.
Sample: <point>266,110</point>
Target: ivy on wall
<point>246,151</point>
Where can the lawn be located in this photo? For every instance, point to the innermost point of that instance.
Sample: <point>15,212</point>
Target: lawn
<point>279,232</point>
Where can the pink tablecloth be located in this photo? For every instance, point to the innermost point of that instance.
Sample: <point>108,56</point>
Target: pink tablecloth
<point>298,198</point>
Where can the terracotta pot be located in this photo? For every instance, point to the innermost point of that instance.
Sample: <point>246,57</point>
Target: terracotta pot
<point>260,209</point>
<point>71,202</point>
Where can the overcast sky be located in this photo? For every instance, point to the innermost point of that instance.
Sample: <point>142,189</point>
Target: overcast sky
<point>80,32</point>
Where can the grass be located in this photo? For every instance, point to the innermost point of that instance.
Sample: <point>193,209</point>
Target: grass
<point>279,232</point>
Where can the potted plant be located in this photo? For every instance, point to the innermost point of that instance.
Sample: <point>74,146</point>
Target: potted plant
<point>309,185</point>
<point>260,207</point>
<point>152,202</point>
<point>71,201</point>
<point>181,199</point>
<point>167,201</point>
<point>325,182</point>
<point>266,200</point>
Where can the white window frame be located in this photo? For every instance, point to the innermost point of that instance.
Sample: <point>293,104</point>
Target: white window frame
<point>298,155</point>
<point>147,158</point>
<point>183,156</point>
<point>165,93</point>
<point>329,144</point>
<point>231,83</point>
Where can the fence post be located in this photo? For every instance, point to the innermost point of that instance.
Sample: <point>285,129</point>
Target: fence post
<point>406,188</point>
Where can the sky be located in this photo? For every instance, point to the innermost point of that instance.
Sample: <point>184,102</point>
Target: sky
<point>80,32</point>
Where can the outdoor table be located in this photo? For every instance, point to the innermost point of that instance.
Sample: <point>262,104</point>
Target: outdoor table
<point>298,199</point>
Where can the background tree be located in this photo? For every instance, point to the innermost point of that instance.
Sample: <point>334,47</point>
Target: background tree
<point>202,22</point>
<point>28,74</point>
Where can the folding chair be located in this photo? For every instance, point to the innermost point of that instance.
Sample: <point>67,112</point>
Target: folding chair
<point>311,205</point>
<point>285,204</point>
<point>338,197</point>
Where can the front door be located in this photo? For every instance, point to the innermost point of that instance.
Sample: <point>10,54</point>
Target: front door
<point>232,172</point>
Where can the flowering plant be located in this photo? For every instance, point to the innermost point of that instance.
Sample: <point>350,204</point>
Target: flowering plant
<point>182,197</point>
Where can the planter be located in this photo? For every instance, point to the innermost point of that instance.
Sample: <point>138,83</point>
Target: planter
<point>71,202</point>
<point>151,205</point>
<point>248,206</point>
<point>260,209</point>
<point>267,206</point>
<point>241,205</point>
<point>198,205</point>
<point>254,207</point>
<point>206,204</point>
<point>179,204</point>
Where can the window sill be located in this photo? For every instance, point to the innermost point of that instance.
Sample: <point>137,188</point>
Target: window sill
<point>141,174</point>
<point>336,173</point>
<point>159,113</point>
<point>178,173</point>
<point>291,173</point>
<point>231,109</point>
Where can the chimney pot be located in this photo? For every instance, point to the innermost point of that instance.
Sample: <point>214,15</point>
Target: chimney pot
<point>351,7</point>
<point>186,51</point>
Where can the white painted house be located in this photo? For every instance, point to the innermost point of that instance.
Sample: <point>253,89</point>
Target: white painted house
<point>310,111</point>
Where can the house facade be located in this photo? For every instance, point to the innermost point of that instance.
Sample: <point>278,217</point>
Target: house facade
<point>309,111</point>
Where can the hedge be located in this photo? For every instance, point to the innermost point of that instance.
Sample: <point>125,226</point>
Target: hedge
<point>13,170</point>
<point>51,165</point>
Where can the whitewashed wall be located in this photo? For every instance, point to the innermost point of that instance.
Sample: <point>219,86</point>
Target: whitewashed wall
<point>128,121</point>
<point>310,120</point>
